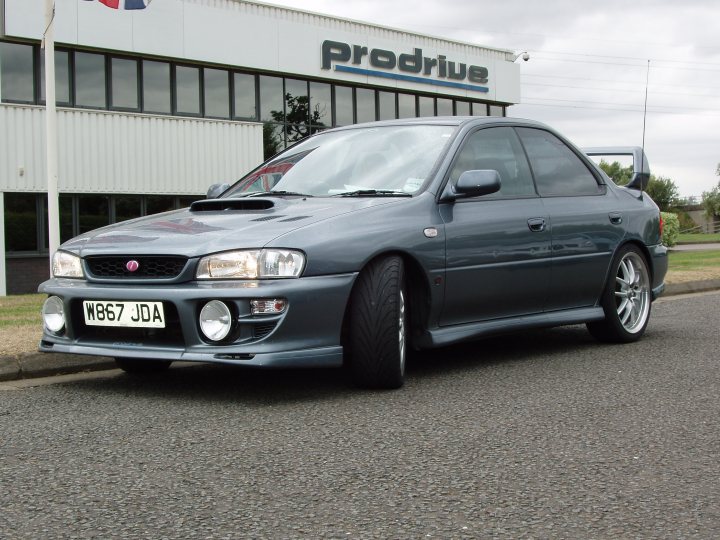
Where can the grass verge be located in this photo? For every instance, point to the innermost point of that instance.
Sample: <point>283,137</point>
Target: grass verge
<point>688,238</point>
<point>21,310</point>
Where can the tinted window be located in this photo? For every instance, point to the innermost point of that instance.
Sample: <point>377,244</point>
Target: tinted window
<point>159,203</point>
<point>90,80</point>
<point>296,102</point>
<point>427,106</point>
<point>187,88</point>
<point>21,222</point>
<point>217,93</point>
<point>271,98</point>
<point>320,104</point>
<point>62,77</point>
<point>343,106</point>
<point>462,108</point>
<point>497,110</point>
<point>386,105</point>
<point>245,96</point>
<point>93,212</point>
<point>127,207</point>
<point>497,149</point>
<point>124,83</point>
<point>406,106</point>
<point>557,170</point>
<point>444,107</point>
<point>365,105</point>
<point>17,72</point>
<point>479,109</point>
<point>156,87</point>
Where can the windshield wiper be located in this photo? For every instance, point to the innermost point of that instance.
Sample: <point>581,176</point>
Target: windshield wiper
<point>373,193</point>
<point>278,193</point>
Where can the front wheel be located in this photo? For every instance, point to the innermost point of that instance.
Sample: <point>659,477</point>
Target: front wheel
<point>376,344</point>
<point>626,299</point>
<point>134,366</point>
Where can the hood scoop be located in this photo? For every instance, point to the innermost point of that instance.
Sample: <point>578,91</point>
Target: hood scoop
<point>216,205</point>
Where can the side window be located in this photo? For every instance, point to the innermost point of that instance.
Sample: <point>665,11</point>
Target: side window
<point>497,149</point>
<point>557,170</point>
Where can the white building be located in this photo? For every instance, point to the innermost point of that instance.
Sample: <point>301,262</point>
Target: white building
<point>157,104</point>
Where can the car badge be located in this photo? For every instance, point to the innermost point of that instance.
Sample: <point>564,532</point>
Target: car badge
<point>132,266</point>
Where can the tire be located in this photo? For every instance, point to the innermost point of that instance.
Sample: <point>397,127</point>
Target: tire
<point>134,366</point>
<point>376,344</point>
<point>626,299</point>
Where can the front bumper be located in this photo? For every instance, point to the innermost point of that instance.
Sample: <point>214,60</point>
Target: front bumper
<point>307,334</point>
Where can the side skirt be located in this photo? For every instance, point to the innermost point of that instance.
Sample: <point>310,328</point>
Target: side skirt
<point>447,335</point>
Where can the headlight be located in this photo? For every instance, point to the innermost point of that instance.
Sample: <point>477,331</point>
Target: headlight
<point>67,265</point>
<point>252,264</point>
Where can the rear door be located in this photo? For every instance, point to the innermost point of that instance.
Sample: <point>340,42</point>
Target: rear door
<point>585,221</point>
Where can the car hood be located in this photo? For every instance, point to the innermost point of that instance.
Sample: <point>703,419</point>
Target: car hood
<point>216,225</point>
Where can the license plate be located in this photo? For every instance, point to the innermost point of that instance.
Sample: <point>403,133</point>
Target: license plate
<point>126,314</point>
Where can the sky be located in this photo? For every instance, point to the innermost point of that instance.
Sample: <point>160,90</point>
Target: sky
<point>588,68</point>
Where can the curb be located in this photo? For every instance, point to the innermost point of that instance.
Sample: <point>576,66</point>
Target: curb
<point>37,364</point>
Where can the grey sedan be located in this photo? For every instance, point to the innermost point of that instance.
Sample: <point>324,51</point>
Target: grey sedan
<point>373,240</point>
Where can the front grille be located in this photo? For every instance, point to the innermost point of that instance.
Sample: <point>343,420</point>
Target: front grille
<point>149,267</point>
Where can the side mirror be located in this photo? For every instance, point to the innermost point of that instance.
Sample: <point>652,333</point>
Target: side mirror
<point>216,190</point>
<point>477,183</point>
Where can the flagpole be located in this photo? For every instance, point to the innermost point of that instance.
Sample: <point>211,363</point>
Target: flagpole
<point>51,131</point>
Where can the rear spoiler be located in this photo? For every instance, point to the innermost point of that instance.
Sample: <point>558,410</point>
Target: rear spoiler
<point>641,167</point>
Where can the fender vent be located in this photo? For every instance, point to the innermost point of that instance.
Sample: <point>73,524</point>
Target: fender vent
<point>296,218</point>
<point>266,218</point>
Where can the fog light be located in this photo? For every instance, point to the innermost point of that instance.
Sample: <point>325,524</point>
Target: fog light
<point>270,306</point>
<point>215,320</point>
<point>53,314</point>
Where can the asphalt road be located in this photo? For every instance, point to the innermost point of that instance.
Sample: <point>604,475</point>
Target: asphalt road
<point>543,435</point>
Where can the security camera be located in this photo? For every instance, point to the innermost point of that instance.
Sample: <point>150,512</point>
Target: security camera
<point>526,56</point>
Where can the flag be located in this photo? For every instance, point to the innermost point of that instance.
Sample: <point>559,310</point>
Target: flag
<point>124,4</point>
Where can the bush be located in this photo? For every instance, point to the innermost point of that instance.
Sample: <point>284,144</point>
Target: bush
<point>686,222</point>
<point>671,228</point>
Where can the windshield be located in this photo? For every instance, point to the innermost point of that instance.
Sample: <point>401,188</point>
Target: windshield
<point>384,160</point>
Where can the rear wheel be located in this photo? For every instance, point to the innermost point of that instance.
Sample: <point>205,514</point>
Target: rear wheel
<point>626,299</point>
<point>135,366</point>
<point>376,344</point>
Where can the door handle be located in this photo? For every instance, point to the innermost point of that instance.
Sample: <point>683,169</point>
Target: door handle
<point>536,224</point>
<point>615,218</point>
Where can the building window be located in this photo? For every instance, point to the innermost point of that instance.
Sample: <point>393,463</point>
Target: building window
<point>444,107</point>
<point>245,98</point>
<point>406,106</point>
<point>344,106</point>
<point>365,103</point>
<point>462,108</point>
<point>124,77</point>
<point>426,106</point>
<point>93,212</point>
<point>387,109</point>
<point>62,78</point>
<point>156,87</point>
<point>217,93</point>
<point>497,110</point>
<point>320,104</point>
<point>479,109</point>
<point>159,203</point>
<point>21,227</point>
<point>90,85</point>
<point>127,207</point>
<point>68,211</point>
<point>187,90</point>
<point>18,81</point>
<point>271,99</point>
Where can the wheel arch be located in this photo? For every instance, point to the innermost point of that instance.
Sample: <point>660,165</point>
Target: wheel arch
<point>417,289</point>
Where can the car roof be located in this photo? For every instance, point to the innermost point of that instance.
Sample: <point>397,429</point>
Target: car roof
<point>448,121</point>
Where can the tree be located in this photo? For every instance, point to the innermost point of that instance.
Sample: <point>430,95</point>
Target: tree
<point>619,174</point>
<point>711,201</point>
<point>663,191</point>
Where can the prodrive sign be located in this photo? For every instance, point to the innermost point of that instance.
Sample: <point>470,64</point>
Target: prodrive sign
<point>437,71</point>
